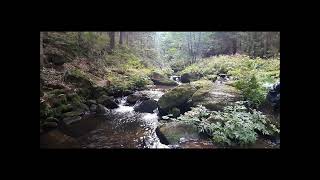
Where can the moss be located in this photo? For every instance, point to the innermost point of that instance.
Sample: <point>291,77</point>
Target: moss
<point>78,78</point>
<point>200,94</point>
<point>202,84</point>
<point>176,97</point>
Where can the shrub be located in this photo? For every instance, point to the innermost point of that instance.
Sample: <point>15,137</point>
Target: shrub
<point>234,125</point>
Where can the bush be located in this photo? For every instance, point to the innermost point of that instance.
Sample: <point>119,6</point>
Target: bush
<point>234,125</point>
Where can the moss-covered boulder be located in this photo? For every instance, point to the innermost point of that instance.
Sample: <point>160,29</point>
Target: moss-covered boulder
<point>216,97</point>
<point>78,78</point>
<point>212,77</point>
<point>159,79</point>
<point>177,97</point>
<point>172,132</point>
<point>189,77</point>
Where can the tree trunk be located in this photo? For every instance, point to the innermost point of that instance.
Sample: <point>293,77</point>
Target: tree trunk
<point>41,50</point>
<point>127,38</point>
<point>121,37</point>
<point>112,37</point>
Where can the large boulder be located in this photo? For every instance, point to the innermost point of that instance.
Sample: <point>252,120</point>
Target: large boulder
<point>173,132</point>
<point>147,106</point>
<point>108,102</point>
<point>159,79</point>
<point>216,97</point>
<point>177,97</point>
<point>78,78</point>
<point>188,77</point>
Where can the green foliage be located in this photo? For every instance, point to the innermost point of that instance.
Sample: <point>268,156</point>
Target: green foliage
<point>234,125</point>
<point>251,90</point>
<point>250,75</point>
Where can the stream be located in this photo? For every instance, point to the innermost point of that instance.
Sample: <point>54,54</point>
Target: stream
<point>125,128</point>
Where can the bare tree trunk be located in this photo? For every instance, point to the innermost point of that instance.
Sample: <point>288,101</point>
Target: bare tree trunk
<point>122,34</point>
<point>112,37</point>
<point>41,50</point>
<point>127,38</point>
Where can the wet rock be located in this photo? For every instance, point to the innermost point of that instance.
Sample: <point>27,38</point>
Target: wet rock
<point>273,97</point>
<point>108,102</point>
<point>52,119</point>
<point>172,132</point>
<point>56,139</point>
<point>175,112</point>
<point>159,79</point>
<point>93,108</point>
<point>147,106</point>
<point>177,97</point>
<point>188,77</point>
<point>71,120</point>
<point>49,125</point>
<point>72,114</point>
<point>132,99</point>
<point>100,109</point>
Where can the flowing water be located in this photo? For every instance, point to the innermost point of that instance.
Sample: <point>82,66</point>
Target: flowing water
<point>122,127</point>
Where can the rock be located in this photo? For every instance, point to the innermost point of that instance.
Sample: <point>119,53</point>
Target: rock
<point>97,92</point>
<point>100,109</point>
<point>132,99</point>
<point>56,139</point>
<point>52,119</point>
<point>108,102</point>
<point>49,125</point>
<point>273,97</point>
<point>212,78</point>
<point>175,112</point>
<point>215,98</point>
<point>146,106</point>
<point>172,132</point>
<point>58,100</point>
<point>188,77</point>
<point>159,79</point>
<point>71,120</point>
<point>78,78</point>
<point>56,59</point>
<point>93,108</point>
<point>90,102</point>
<point>177,97</point>
<point>72,114</point>
<point>81,107</point>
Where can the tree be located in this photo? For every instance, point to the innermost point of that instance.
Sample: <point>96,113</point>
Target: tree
<point>41,50</point>
<point>112,43</point>
<point>122,34</point>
